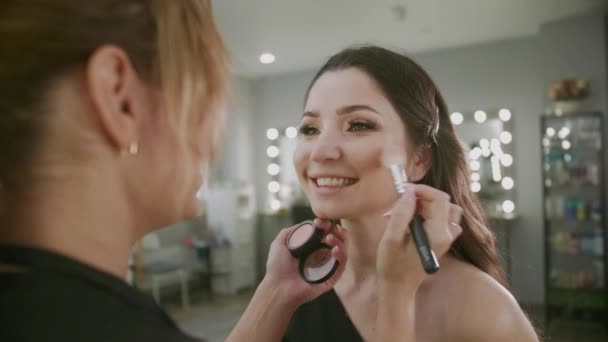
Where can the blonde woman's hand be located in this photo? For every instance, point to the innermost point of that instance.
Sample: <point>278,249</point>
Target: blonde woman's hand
<point>398,260</point>
<point>282,270</point>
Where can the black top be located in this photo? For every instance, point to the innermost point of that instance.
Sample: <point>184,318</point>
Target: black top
<point>60,299</point>
<point>322,320</point>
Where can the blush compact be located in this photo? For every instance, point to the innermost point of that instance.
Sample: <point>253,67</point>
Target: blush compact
<point>316,263</point>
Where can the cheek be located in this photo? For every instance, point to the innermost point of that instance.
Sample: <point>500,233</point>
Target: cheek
<point>300,158</point>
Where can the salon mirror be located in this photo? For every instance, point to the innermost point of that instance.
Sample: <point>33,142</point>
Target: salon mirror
<point>487,136</point>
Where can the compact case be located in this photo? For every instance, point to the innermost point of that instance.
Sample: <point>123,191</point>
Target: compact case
<point>316,263</point>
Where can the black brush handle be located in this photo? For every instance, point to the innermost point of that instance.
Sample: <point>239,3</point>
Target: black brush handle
<point>427,256</point>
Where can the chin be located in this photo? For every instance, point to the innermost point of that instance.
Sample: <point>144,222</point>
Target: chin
<point>332,211</point>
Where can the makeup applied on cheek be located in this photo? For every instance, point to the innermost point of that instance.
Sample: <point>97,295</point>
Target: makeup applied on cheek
<point>394,160</point>
<point>316,263</point>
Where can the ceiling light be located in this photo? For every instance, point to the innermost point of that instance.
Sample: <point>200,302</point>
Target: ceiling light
<point>267,58</point>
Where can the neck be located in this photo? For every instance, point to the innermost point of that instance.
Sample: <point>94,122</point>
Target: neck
<point>83,217</point>
<point>364,235</point>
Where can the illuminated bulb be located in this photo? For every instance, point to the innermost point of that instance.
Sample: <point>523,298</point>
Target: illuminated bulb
<point>267,58</point>
<point>504,115</point>
<point>506,160</point>
<point>274,187</point>
<point>551,132</point>
<point>475,187</point>
<point>506,137</point>
<point>507,183</point>
<point>567,158</point>
<point>480,116</point>
<point>475,177</point>
<point>272,133</point>
<point>274,169</point>
<point>484,143</point>
<point>495,147</point>
<point>457,118</point>
<point>475,153</point>
<point>275,204</point>
<point>291,132</point>
<point>563,132</point>
<point>272,151</point>
<point>496,174</point>
<point>546,142</point>
<point>566,144</point>
<point>475,165</point>
<point>508,206</point>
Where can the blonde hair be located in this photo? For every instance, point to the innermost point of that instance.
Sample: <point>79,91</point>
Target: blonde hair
<point>173,44</point>
<point>193,65</point>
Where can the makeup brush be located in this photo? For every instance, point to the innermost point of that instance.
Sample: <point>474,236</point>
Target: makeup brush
<point>394,160</point>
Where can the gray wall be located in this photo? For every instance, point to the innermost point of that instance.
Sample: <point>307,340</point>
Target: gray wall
<point>577,47</point>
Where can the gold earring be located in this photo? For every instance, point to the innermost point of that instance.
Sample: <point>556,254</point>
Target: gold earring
<point>133,148</point>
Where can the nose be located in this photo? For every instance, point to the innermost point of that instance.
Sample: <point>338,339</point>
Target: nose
<point>326,147</point>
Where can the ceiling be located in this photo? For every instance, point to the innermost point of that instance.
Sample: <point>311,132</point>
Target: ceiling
<point>303,33</point>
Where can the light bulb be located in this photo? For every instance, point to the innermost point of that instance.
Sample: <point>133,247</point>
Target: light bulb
<point>274,169</point>
<point>272,134</point>
<point>507,183</point>
<point>272,151</point>
<point>504,114</point>
<point>506,160</point>
<point>506,137</point>
<point>480,116</point>
<point>456,118</point>
<point>274,186</point>
<point>508,206</point>
<point>291,132</point>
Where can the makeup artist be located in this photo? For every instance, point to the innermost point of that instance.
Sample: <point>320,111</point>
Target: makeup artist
<point>364,103</point>
<point>108,110</point>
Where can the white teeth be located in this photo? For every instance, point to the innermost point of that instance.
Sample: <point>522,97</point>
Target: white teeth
<point>335,181</point>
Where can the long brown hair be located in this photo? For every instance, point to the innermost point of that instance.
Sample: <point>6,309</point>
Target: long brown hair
<point>418,101</point>
<point>174,45</point>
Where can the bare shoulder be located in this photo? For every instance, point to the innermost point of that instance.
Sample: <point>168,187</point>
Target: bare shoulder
<point>478,308</point>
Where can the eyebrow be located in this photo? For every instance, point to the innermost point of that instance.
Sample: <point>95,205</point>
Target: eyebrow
<point>344,110</point>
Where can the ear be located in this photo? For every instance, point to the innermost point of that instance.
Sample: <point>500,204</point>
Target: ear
<point>421,163</point>
<point>116,94</point>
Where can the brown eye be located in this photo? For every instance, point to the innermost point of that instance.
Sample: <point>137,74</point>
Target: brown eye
<point>361,126</point>
<point>308,130</point>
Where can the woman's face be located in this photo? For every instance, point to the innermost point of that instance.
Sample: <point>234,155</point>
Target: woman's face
<point>347,126</point>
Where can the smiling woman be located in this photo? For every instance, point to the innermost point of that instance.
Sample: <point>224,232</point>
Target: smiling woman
<point>363,102</point>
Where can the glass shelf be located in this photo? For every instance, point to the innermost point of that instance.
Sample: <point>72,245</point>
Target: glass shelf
<point>573,195</point>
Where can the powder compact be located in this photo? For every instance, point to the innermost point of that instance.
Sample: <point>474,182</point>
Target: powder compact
<point>316,262</point>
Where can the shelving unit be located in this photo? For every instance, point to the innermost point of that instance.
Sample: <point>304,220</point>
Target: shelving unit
<point>575,216</point>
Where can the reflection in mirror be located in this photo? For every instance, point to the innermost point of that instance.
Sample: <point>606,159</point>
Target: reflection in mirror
<point>488,141</point>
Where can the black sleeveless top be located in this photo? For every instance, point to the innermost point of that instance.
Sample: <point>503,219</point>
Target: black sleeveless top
<point>323,319</point>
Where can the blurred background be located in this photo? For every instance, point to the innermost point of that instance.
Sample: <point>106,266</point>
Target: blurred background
<point>526,82</point>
